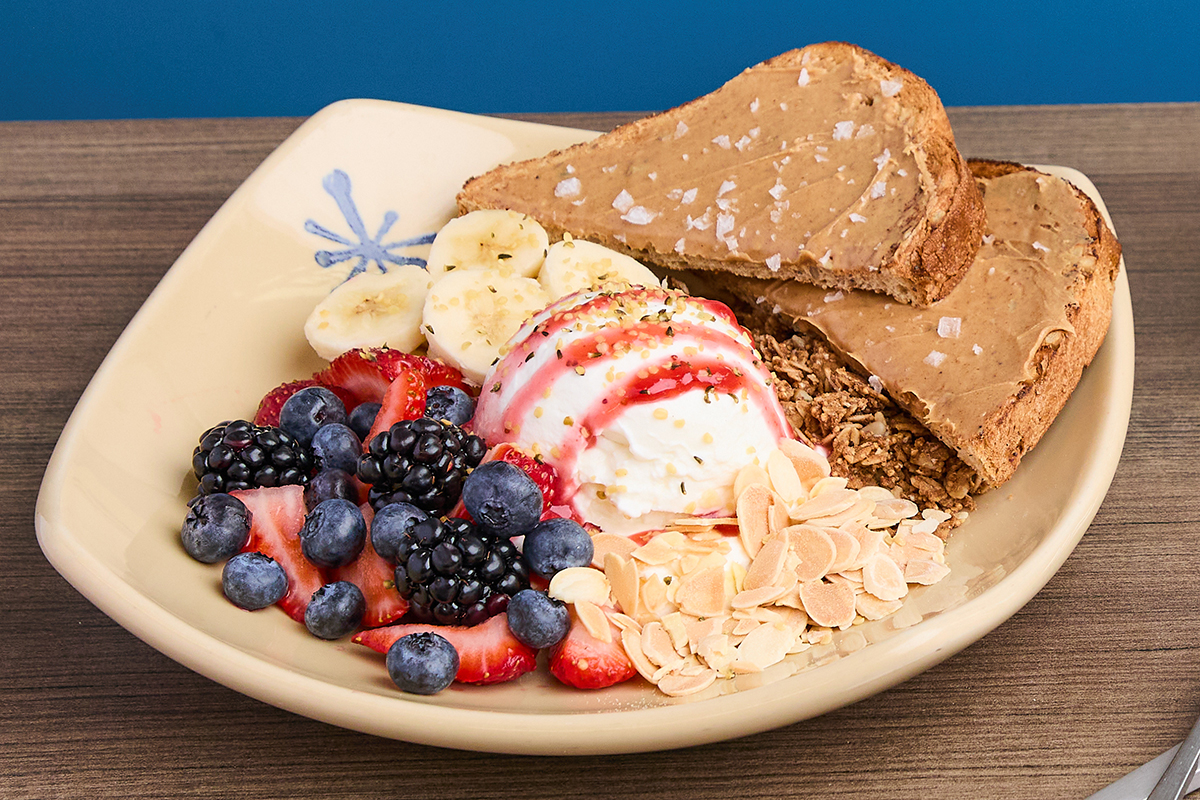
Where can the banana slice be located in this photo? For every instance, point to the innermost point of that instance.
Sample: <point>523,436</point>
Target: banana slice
<point>470,314</point>
<point>574,264</point>
<point>371,310</point>
<point>505,241</point>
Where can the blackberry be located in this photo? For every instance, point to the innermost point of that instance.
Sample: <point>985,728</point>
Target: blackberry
<point>453,574</point>
<point>423,462</point>
<point>241,455</point>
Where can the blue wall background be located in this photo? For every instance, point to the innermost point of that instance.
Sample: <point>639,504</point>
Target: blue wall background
<point>71,59</point>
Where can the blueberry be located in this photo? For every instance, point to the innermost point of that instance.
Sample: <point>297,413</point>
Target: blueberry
<point>335,610</point>
<point>422,663</point>
<point>502,499</point>
<point>217,526</point>
<point>537,619</point>
<point>253,581</point>
<point>449,403</point>
<point>363,417</point>
<point>309,409</point>
<point>333,534</point>
<point>336,446</point>
<point>390,527</point>
<point>328,484</point>
<point>555,545</point>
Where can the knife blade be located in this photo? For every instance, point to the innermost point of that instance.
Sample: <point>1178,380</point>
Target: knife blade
<point>1138,784</point>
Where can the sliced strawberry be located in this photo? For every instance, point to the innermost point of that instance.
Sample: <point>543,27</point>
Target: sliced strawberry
<point>277,514</point>
<point>365,374</point>
<point>487,652</point>
<point>375,576</point>
<point>585,662</point>
<point>405,399</point>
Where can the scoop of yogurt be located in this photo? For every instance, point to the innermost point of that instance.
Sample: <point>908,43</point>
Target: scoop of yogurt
<point>647,402</point>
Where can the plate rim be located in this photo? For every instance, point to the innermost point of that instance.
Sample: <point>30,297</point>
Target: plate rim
<point>627,730</point>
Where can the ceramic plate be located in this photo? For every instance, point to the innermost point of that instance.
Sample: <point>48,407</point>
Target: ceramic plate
<point>365,183</point>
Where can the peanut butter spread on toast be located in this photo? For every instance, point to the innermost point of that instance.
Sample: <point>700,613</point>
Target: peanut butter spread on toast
<point>959,361</point>
<point>804,166</point>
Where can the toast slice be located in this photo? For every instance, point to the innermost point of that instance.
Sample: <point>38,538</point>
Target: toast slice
<point>989,367</point>
<point>827,165</point>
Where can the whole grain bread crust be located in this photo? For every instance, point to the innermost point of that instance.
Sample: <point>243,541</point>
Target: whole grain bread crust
<point>1013,429</point>
<point>940,242</point>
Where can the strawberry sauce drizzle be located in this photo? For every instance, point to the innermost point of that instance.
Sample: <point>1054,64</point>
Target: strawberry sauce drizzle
<point>645,380</point>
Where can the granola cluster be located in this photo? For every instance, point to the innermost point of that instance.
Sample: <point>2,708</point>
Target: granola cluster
<point>871,440</point>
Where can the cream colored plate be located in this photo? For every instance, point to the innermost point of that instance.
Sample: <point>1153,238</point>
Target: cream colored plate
<point>224,326</point>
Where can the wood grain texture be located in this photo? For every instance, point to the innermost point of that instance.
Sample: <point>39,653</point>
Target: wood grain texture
<point>1097,674</point>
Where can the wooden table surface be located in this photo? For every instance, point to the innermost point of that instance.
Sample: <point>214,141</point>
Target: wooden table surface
<point>1097,674</point>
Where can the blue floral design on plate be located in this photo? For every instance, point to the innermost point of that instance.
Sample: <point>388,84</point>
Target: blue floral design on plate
<point>368,249</point>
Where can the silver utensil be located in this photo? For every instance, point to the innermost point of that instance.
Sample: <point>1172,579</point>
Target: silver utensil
<point>1170,776</point>
<point>1179,773</point>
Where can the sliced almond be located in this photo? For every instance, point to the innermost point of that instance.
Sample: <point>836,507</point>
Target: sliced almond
<point>760,613</point>
<point>632,642</point>
<point>810,465</point>
<point>655,601</point>
<point>699,629</point>
<point>594,620</point>
<point>935,514</point>
<point>926,526</point>
<point>793,618</point>
<point>622,575</point>
<point>677,630</point>
<point>882,578</point>
<point>871,607</point>
<point>925,571</point>
<point>828,604</point>
<point>749,598</point>
<point>847,548</point>
<point>623,621</point>
<point>767,565</point>
<point>835,577</point>
<point>662,549</point>
<point>579,584</point>
<point>870,540</point>
<point>656,644</point>
<point>605,543</point>
<point>750,475</point>
<point>716,650</point>
<point>702,593</point>
<point>744,626</point>
<point>876,493</point>
<point>753,506</point>
<point>860,510</point>
<point>815,550</point>
<point>791,598</point>
<point>763,647</point>
<point>816,636</point>
<point>926,541</point>
<point>702,522</point>
<point>895,509</point>
<point>852,575</point>
<point>778,516</point>
<point>784,479</point>
<point>830,483</point>
<point>825,504</point>
<point>679,685</point>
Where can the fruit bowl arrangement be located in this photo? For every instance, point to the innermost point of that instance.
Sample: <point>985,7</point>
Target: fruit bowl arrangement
<point>408,541</point>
